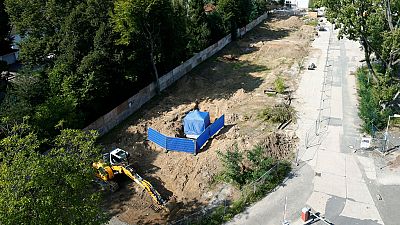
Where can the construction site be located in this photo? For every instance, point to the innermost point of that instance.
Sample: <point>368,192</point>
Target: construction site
<point>237,82</point>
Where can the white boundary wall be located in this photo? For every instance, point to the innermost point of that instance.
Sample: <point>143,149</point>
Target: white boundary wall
<point>108,121</point>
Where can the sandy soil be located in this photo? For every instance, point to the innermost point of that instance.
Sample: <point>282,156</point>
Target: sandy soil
<point>222,86</point>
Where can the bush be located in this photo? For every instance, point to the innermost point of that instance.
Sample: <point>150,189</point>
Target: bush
<point>371,94</point>
<point>233,166</point>
<point>241,170</point>
<point>312,22</point>
<point>278,114</point>
<point>279,85</point>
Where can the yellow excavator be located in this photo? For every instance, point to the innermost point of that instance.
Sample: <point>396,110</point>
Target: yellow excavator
<point>117,162</point>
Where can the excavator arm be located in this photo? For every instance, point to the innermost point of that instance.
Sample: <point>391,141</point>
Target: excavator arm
<point>130,172</point>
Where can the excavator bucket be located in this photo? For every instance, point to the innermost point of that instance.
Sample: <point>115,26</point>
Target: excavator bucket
<point>170,205</point>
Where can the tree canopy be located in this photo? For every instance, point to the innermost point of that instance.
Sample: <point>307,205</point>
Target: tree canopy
<point>47,186</point>
<point>5,30</point>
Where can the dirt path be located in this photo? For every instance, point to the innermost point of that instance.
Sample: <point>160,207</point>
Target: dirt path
<point>235,88</point>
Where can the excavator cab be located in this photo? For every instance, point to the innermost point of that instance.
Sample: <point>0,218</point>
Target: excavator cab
<point>117,157</point>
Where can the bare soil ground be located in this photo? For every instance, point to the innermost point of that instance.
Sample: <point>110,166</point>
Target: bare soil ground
<point>234,87</point>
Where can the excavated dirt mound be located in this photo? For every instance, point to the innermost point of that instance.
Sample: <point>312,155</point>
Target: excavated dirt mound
<point>231,87</point>
<point>278,145</point>
<point>395,163</point>
<point>292,22</point>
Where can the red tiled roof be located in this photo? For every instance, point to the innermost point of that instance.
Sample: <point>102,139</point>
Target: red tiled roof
<point>209,7</point>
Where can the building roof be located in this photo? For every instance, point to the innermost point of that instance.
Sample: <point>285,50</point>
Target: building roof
<point>209,7</point>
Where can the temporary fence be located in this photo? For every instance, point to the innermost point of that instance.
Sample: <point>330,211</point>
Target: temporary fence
<point>316,133</point>
<point>172,143</point>
<point>185,144</point>
<point>210,131</point>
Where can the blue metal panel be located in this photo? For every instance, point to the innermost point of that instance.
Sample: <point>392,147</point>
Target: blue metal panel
<point>202,139</point>
<point>181,145</point>
<point>157,137</point>
<point>217,125</point>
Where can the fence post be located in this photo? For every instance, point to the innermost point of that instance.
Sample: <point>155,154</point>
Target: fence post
<point>224,209</point>
<point>277,169</point>
<point>297,156</point>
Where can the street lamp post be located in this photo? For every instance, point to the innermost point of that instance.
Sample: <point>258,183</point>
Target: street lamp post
<point>387,128</point>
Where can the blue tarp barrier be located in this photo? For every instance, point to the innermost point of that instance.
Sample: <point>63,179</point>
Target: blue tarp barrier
<point>186,144</point>
<point>157,137</point>
<point>217,125</point>
<point>181,145</point>
<point>202,139</point>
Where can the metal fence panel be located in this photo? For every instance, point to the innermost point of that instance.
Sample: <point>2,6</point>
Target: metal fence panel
<point>157,137</point>
<point>217,125</point>
<point>202,139</point>
<point>181,145</point>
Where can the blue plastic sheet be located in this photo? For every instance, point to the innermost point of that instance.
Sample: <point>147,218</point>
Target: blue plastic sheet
<point>202,139</point>
<point>157,137</point>
<point>196,122</point>
<point>217,125</point>
<point>181,145</point>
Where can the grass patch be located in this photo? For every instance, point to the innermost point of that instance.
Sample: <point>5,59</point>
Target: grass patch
<point>279,84</point>
<point>312,22</point>
<point>239,64</point>
<point>278,114</point>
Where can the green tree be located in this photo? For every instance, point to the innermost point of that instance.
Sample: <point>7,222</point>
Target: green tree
<point>229,11</point>
<point>51,188</point>
<point>216,26</point>
<point>352,19</point>
<point>259,8</point>
<point>197,27</point>
<point>40,23</point>
<point>5,29</point>
<point>374,24</point>
<point>150,23</point>
<point>75,48</point>
<point>235,14</point>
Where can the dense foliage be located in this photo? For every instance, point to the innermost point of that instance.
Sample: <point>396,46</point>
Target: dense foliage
<point>243,169</point>
<point>5,30</point>
<point>47,185</point>
<point>375,24</point>
<point>84,57</point>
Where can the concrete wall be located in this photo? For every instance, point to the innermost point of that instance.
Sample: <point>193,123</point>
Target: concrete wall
<point>123,111</point>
